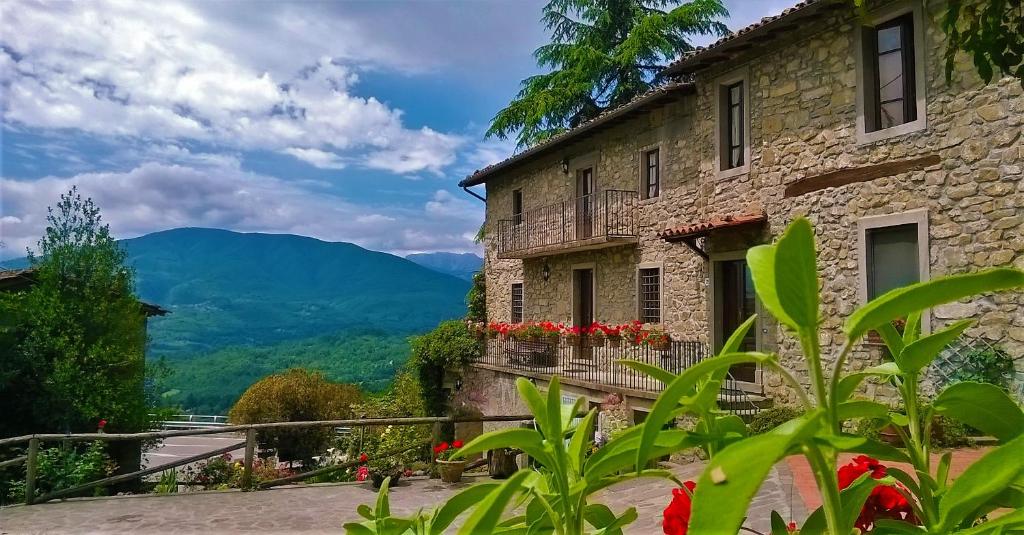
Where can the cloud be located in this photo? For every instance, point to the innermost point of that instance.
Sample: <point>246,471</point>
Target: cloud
<point>157,196</point>
<point>162,73</point>
<point>317,158</point>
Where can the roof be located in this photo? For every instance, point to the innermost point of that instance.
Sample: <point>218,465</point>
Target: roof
<point>19,279</point>
<point>703,228</point>
<point>640,103</point>
<point>754,35</point>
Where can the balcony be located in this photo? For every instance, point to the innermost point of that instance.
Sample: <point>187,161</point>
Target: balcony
<point>598,368</point>
<point>593,221</point>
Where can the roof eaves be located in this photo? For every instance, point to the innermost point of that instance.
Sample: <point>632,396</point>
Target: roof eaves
<point>480,176</point>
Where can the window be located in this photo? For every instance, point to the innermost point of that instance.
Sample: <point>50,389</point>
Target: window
<point>517,302</point>
<point>652,173</point>
<point>650,295</point>
<point>517,206</point>
<point>733,134</point>
<point>891,97</point>
<point>892,258</point>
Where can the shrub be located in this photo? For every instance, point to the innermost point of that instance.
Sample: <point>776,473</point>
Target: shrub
<point>771,418</point>
<point>65,467</point>
<point>983,364</point>
<point>292,396</point>
<point>450,345</point>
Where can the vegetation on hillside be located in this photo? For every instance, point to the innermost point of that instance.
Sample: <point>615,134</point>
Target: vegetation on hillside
<point>603,53</point>
<point>212,383</point>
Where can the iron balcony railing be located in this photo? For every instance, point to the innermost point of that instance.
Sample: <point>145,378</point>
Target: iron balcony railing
<point>599,365</point>
<point>598,216</point>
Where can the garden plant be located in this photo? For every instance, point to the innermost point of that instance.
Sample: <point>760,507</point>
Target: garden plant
<point>864,495</point>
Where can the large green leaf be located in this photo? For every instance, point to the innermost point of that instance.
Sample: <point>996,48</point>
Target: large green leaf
<point>761,261</point>
<point>982,406</point>
<point>796,274</point>
<point>916,355</point>
<point>601,517</point>
<point>527,440</point>
<point>486,516</point>
<point>732,477</point>
<point>981,481</point>
<point>580,440</point>
<point>852,499</point>
<point>862,408</point>
<point>848,384</point>
<point>1010,523</point>
<point>683,385</point>
<point>535,401</point>
<point>655,372</point>
<point>901,302</point>
<point>458,504</point>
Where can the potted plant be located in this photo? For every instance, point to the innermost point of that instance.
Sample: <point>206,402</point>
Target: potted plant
<point>632,332</point>
<point>381,460</point>
<point>595,335</point>
<point>656,338</point>
<point>613,333</point>
<point>571,335</point>
<point>451,471</point>
<point>531,332</point>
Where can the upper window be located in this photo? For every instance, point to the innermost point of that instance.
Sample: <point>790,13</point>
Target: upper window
<point>650,295</point>
<point>652,173</point>
<point>517,206</point>
<point>732,138</point>
<point>891,98</point>
<point>517,302</point>
<point>892,258</point>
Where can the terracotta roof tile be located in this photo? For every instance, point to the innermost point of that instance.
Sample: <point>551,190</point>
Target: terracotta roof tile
<point>702,228</point>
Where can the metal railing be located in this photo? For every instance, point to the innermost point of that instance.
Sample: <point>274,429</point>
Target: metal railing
<point>598,363</point>
<point>194,421</point>
<point>607,214</point>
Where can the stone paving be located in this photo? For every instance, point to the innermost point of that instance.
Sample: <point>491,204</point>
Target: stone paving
<point>324,508</point>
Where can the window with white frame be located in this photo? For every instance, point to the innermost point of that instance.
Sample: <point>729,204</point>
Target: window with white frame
<point>517,302</point>
<point>732,124</point>
<point>892,252</point>
<point>649,294</point>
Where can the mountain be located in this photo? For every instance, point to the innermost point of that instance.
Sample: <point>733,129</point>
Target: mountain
<point>462,265</point>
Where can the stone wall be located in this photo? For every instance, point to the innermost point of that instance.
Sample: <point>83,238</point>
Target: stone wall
<point>802,107</point>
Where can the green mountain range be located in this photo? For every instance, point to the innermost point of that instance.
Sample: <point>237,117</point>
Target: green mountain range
<point>243,306</point>
<point>462,265</point>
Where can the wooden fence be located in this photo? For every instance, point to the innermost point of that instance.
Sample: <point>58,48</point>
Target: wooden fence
<point>250,430</point>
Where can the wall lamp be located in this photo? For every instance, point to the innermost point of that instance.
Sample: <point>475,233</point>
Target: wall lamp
<point>565,166</point>
<point>545,271</point>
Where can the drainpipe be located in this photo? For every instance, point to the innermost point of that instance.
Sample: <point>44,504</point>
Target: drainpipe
<point>473,193</point>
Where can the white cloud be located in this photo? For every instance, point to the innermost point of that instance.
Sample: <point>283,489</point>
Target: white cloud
<point>163,72</point>
<point>155,196</point>
<point>317,158</point>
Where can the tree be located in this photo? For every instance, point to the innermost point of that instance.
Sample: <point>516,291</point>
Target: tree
<point>74,342</point>
<point>991,33</point>
<point>603,54</point>
<point>476,298</point>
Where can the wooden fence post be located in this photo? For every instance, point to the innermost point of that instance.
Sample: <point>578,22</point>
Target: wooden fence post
<point>435,439</point>
<point>30,471</point>
<point>250,452</point>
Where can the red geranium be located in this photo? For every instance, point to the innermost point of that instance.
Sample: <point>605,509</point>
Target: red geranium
<point>362,473</point>
<point>363,458</point>
<point>885,501</point>
<point>676,518</point>
<point>102,423</point>
<point>457,444</point>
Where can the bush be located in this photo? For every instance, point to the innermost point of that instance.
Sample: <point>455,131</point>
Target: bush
<point>450,345</point>
<point>65,467</point>
<point>983,364</point>
<point>771,418</point>
<point>293,396</point>
<point>403,400</point>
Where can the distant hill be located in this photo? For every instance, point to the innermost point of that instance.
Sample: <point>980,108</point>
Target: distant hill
<point>462,265</point>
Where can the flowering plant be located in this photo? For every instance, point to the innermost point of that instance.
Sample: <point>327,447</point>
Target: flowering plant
<point>612,332</point>
<point>631,331</point>
<point>444,451</point>
<point>653,336</point>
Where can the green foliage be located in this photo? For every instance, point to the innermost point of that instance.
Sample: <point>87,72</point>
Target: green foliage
<point>449,346</point>
<point>296,395</point>
<point>983,364</point>
<point>990,32</point>
<point>168,483</point>
<point>216,473</point>
<point>476,299</point>
<point>212,383</point>
<point>404,399</point>
<point>772,417</point>
<point>64,467</point>
<point>74,341</point>
<point>603,54</point>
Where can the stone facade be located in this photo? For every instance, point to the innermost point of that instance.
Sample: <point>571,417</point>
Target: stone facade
<point>802,107</point>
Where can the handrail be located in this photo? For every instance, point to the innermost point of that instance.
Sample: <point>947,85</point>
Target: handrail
<point>610,213</point>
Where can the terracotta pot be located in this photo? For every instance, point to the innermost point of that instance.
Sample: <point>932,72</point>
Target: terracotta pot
<point>889,436</point>
<point>451,471</point>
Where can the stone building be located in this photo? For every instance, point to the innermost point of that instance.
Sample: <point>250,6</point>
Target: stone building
<point>647,211</point>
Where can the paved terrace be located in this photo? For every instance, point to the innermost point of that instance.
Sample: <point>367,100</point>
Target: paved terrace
<point>324,508</point>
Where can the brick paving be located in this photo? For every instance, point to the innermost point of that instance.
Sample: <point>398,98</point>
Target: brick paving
<point>324,508</point>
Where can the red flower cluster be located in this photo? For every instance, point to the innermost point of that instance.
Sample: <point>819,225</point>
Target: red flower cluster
<point>676,518</point>
<point>362,473</point>
<point>363,458</point>
<point>886,501</point>
<point>102,423</point>
<point>444,451</point>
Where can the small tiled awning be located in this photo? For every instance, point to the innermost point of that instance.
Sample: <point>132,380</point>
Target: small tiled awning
<point>689,234</point>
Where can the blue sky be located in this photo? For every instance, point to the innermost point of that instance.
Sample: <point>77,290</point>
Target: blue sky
<point>346,121</point>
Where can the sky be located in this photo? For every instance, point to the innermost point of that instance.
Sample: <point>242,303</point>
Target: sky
<point>345,121</point>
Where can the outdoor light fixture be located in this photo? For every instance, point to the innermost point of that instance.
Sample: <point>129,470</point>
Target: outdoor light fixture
<point>565,166</point>
<point>546,272</point>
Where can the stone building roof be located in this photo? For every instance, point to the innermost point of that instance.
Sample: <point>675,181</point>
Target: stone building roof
<point>702,228</point>
<point>641,103</point>
<point>18,279</point>
<point>755,35</point>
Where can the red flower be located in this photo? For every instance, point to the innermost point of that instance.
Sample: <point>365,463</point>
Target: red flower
<point>363,458</point>
<point>457,444</point>
<point>885,501</point>
<point>102,424</point>
<point>676,518</point>
<point>791,527</point>
<point>362,473</point>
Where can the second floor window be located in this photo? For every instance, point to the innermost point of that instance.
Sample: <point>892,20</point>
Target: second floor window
<point>652,174</point>
<point>517,302</point>
<point>892,258</point>
<point>649,289</point>
<point>732,126</point>
<point>891,94</point>
<point>517,206</point>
